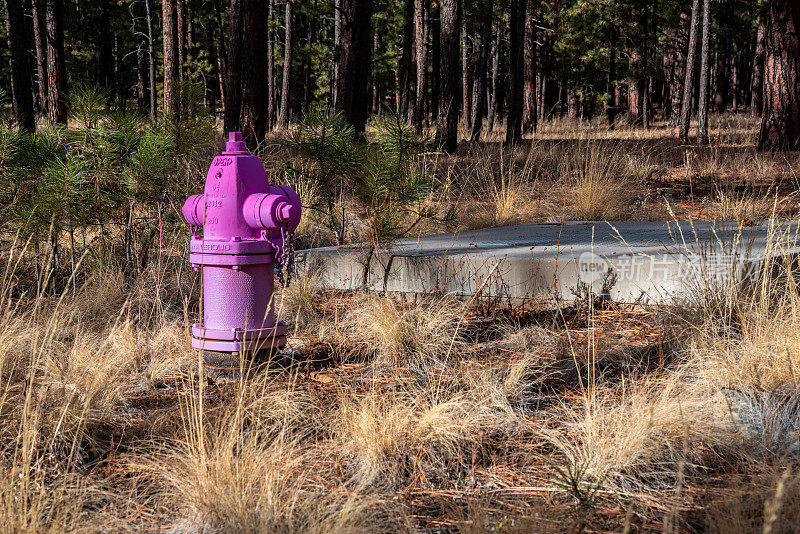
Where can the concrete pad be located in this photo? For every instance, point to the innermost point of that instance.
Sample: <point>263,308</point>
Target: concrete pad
<point>647,262</point>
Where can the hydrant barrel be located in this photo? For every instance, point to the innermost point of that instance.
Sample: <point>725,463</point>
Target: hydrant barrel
<point>246,225</point>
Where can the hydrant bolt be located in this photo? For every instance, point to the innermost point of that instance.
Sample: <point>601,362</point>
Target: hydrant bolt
<point>239,215</point>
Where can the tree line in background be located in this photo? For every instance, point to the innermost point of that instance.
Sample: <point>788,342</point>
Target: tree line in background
<point>442,63</point>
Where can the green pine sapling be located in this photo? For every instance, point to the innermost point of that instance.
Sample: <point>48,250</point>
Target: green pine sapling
<point>330,157</point>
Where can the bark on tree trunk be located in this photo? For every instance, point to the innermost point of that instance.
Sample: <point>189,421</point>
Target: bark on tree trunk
<point>106,56</point>
<point>734,88</point>
<point>171,103</point>
<point>141,84</point>
<point>757,83</point>
<point>679,70</point>
<point>702,104</point>
<point>688,86</point>
<point>375,106</point>
<point>516,68</point>
<point>246,111</point>
<point>21,87</point>
<point>151,65</point>
<point>219,50</point>
<point>529,85</point>
<point>435,19</point>
<point>481,43</point>
<point>780,124</point>
<point>421,63</point>
<point>354,61</point>
<point>465,87</point>
<point>270,67</point>
<point>337,45</point>
<point>283,116</point>
<point>190,38</point>
<point>635,89</point>
<point>572,103</point>
<point>407,71</point>
<point>447,123</point>
<point>39,37</point>
<point>56,66</point>
<point>310,38</point>
<point>180,33</point>
<point>611,111</point>
<point>544,82</point>
<point>492,101</point>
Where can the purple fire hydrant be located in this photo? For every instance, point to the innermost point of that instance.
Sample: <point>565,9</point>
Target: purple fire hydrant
<point>247,230</point>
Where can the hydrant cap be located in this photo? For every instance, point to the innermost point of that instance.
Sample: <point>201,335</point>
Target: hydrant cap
<point>235,145</point>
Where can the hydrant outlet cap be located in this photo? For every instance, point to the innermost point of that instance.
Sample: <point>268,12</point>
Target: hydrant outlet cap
<point>286,212</point>
<point>235,144</point>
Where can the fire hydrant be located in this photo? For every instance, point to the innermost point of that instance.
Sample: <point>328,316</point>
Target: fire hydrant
<point>247,231</point>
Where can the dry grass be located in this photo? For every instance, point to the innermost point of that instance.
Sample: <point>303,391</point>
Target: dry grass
<point>599,185</point>
<point>505,192</point>
<point>431,416</point>
<point>416,337</point>
<point>421,434</point>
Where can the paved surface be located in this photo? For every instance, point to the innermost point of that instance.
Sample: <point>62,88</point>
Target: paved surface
<point>649,262</point>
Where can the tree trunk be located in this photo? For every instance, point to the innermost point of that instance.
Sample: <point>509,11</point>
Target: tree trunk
<point>407,71</point>
<point>449,96</point>
<point>572,102</point>
<point>516,70</point>
<point>56,66</point>
<point>421,63</point>
<point>190,38</point>
<point>529,85</point>
<point>481,43</point>
<point>780,124</point>
<point>375,106</point>
<point>757,83</point>
<point>180,33</point>
<point>270,67</point>
<point>492,102</point>
<point>247,109</point>
<point>435,19</point>
<point>171,102</point>
<point>465,86</point>
<point>688,86</point>
<point>151,66</point>
<point>733,67</point>
<point>647,103</point>
<point>544,81</point>
<point>310,38</point>
<point>611,111</point>
<point>219,51</point>
<point>106,56</point>
<point>352,89</point>
<point>40,40</point>
<point>211,88</point>
<point>635,89</point>
<point>678,75</point>
<point>141,84</point>
<point>337,45</point>
<point>702,103</point>
<point>283,116</point>
<point>21,87</point>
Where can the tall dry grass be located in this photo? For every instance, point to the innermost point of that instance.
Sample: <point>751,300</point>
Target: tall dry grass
<point>600,188</point>
<point>416,337</point>
<point>420,416</point>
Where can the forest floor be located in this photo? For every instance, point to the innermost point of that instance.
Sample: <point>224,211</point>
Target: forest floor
<point>428,414</point>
